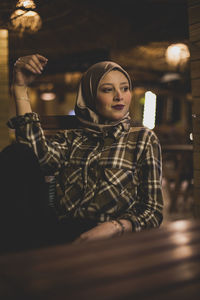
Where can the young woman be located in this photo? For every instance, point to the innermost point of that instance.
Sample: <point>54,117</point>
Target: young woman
<point>109,173</point>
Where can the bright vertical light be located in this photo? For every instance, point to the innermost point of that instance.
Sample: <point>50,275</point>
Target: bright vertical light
<point>149,114</point>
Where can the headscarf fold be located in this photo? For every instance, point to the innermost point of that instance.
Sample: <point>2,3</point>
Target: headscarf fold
<point>86,97</point>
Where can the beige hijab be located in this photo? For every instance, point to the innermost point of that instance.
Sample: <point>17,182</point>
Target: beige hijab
<point>85,103</point>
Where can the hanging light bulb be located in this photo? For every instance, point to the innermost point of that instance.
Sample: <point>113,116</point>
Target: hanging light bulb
<point>25,18</point>
<point>177,54</point>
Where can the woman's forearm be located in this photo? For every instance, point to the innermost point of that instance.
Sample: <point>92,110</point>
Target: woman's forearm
<point>22,101</point>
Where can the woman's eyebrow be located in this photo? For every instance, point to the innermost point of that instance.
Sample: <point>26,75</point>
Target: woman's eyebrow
<point>107,83</point>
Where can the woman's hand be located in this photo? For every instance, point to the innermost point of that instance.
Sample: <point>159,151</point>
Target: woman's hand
<point>104,230</point>
<point>25,71</point>
<point>27,68</point>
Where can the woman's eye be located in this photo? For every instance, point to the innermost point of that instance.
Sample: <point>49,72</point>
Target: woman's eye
<point>125,88</point>
<point>107,90</point>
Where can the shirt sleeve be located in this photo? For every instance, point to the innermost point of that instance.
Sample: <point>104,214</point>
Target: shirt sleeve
<point>147,209</point>
<point>51,153</point>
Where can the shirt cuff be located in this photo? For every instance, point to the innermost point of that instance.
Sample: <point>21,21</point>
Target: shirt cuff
<point>135,224</point>
<point>18,121</point>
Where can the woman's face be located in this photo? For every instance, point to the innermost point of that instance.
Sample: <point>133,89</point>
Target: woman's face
<point>113,96</point>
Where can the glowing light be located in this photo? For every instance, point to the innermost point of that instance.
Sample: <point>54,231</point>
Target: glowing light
<point>149,114</point>
<point>191,136</point>
<point>26,4</point>
<point>180,225</point>
<point>25,18</point>
<point>170,77</point>
<point>71,113</point>
<point>48,96</point>
<point>177,54</point>
<point>3,33</point>
<point>180,237</point>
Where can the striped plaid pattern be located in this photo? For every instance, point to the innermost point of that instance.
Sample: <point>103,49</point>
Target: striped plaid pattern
<point>105,176</point>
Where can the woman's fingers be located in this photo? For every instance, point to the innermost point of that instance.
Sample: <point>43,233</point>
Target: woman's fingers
<point>41,58</point>
<point>33,63</point>
<point>27,66</point>
<point>40,61</point>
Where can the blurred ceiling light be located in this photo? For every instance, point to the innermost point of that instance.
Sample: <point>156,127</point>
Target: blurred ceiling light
<point>48,96</point>
<point>170,77</point>
<point>177,54</point>
<point>25,18</point>
<point>149,114</point>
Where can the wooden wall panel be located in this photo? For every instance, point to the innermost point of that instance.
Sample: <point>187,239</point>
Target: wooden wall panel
<point>194,13</point>
<point>195,87</point>
<point>194,50</point>
<point>195,67</point>
<point>194,33</point>
<point>196,105</point>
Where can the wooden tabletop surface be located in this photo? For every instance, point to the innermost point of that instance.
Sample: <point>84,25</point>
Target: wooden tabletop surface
<point>159,264</point>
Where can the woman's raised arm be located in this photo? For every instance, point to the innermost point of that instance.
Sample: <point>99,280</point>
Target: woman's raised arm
<point>26,69</point>
<point>51,154</point>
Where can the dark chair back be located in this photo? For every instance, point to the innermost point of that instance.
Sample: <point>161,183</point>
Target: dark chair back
<point>54,123</point>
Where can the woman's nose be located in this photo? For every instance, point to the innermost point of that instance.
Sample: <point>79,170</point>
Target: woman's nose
<point>118,96</point>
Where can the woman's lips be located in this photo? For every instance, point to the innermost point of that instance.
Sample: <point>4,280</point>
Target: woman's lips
<point>118,106</point>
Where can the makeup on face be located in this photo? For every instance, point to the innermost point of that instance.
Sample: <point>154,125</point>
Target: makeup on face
<point>118,106</point>
<point>113,96</point>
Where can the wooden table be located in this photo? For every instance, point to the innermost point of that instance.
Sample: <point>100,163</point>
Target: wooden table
<point>157,264</point>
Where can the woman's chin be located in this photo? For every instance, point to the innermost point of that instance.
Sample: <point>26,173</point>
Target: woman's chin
<point>117,116</point>
<point>113,116</point>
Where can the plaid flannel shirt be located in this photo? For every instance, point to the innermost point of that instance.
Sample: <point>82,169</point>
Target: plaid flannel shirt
<point>116,175</point>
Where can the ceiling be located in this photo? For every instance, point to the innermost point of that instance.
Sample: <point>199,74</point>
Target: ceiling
<point>77,33</point>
